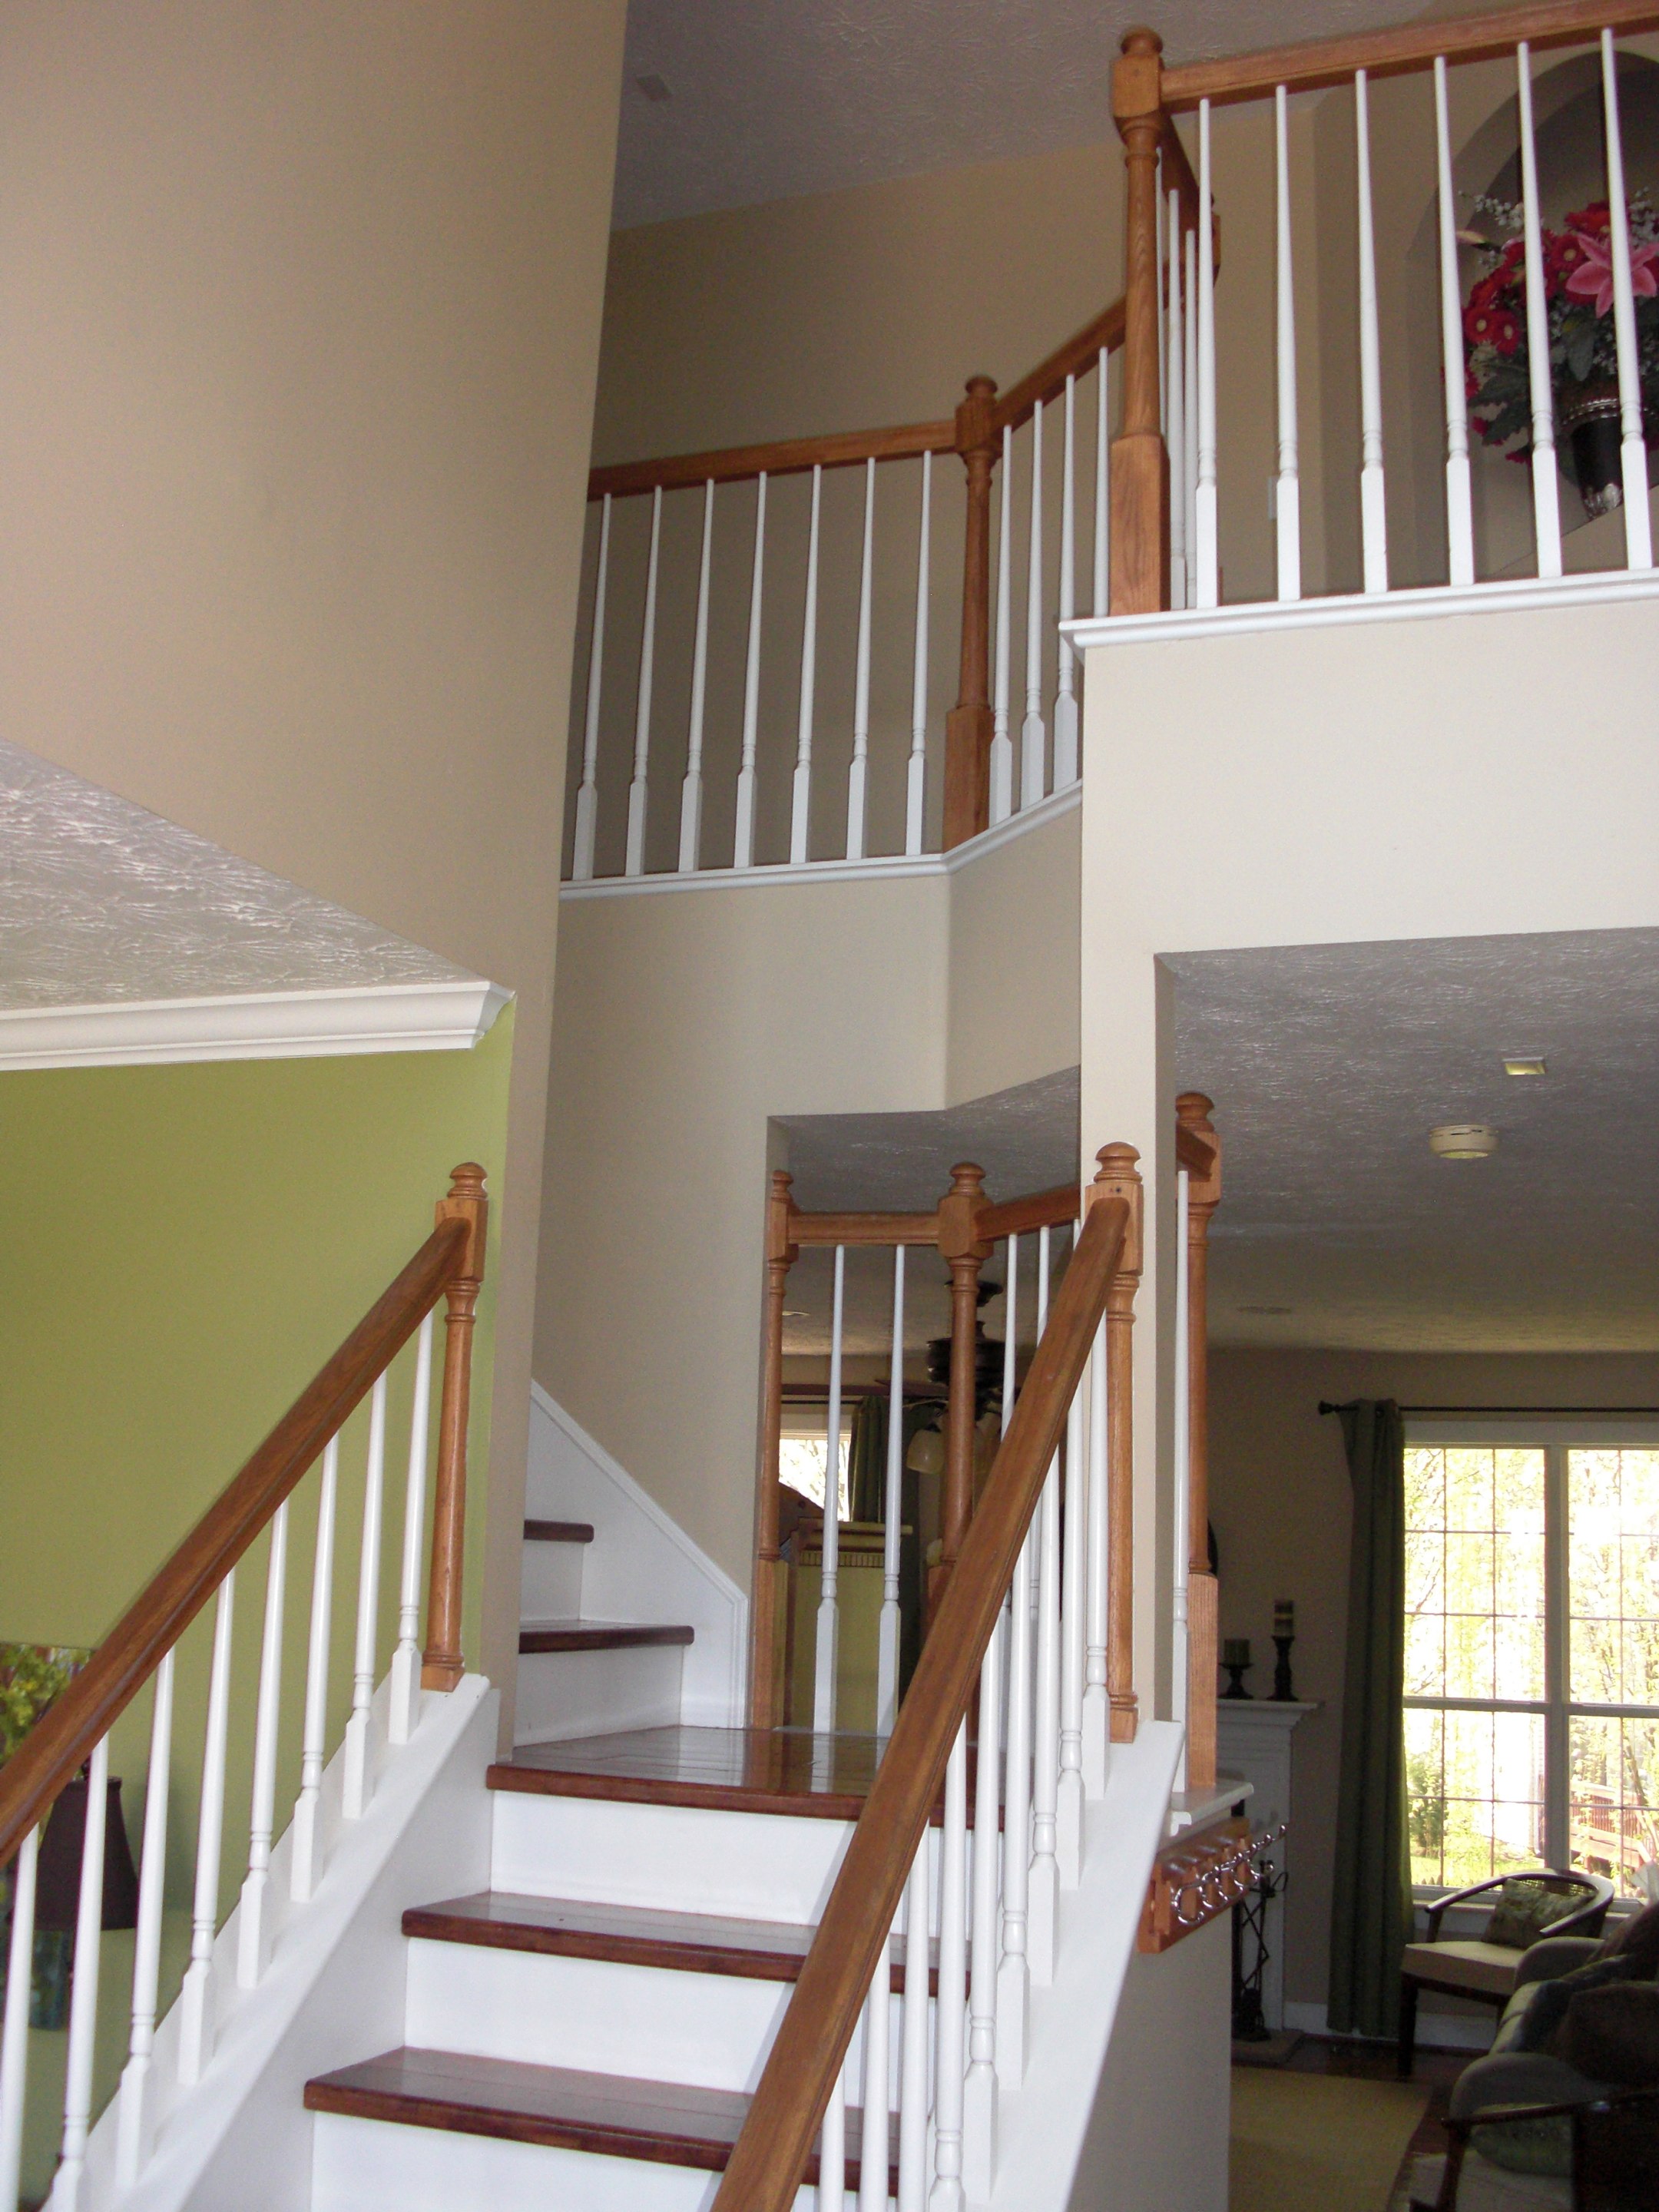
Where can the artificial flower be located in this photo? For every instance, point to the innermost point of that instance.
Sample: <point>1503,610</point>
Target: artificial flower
<point>1592,278</point>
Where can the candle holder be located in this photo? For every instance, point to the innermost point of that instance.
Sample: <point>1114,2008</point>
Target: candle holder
<point>1284,1694</point>
<point>1236,1659</point>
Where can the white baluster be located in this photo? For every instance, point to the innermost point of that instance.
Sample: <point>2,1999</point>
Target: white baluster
<point>691,789</point>
<point>1460,510</point>
<point>915,784</point>
<point>1546,489</point>
<point>135,2126</point>
<point>1043,1887</point>
<point>1002,746</point>
<point>1189,471</point>
<point>83,1994</point>
<point>254,1932</point>
<point>404,1708</point>
<point>1066,695</point>
<point>1179,1677</point>
<point>305,1865</point>
<point>1638,521</point>
<point>1096,1704</point>
<point>1288,503</point>
<point>587,791</point>
<point>887,1644</point>
<point>195,1995</point>
<point>1175,386</point>
<point>1073,1626</point>
<point>913,2040</point>
<point>946,2194</point>
<point>1103,486</point>
<point>829,1629</point>
<point>1206,549</point>
<point>858,774</point>
<point>1033,736</point>
<point>800,809</point>
<point>1373,501</point>
<point>979,2102</point>
<point>357,1773</point>
<point>637,789</point>
<point>832,2149</point>
<point>743,849</point>
<point>873,2165</point>
<point>1013,1978</point>
<point>15,2046</point>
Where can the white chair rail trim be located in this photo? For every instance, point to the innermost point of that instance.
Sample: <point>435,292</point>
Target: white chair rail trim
<point>884,868</point>
<point>442,1016</point>
<point>1523,594</point>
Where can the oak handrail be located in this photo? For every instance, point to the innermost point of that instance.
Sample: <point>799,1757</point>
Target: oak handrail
<point>1321,62</point>
<point>770,2155</point>
<point>71,1728</point>
<point>784,457</point>
<point>1046,381</point>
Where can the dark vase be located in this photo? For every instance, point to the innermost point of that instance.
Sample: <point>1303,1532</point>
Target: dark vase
<point>1589,415</point>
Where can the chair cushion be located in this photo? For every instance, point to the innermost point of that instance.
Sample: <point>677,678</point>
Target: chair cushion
<point>1485,1970</point>
<point>1525,1908</point>
<point>1485,2188</point>
<point>1540,2026</point>
<point>1612,2033</point>
<point>1638,1938</point>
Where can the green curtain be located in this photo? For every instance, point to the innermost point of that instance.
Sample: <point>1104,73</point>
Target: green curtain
<point>867,1496</point>
<point>1371,1900</point>
<point>866,1460</point>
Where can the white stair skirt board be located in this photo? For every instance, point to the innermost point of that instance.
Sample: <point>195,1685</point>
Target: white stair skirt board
<point>363,2166</point>
<point>641,1566</point>
<point>1049,2156</point>
<point>575,1693</point>
<point>550,1585</point>
<point>712,2030</point>
<point>336,1984</point>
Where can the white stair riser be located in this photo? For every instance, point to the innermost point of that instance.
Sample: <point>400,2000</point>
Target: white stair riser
<point>551,1581</point>
<point>712,2030</point>
<point>372,2165</point>
<point>575,1693</point>
<point>758,1866</point>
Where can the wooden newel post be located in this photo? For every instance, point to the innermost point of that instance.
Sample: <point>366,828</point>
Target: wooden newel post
<point>1140,462</point>
<point>441,1664</point>
<point>1193,1111</point>
<point>961,1250</point>
<point>968,725</point>
<point>766,1683</point>
<point>1119,1178</point>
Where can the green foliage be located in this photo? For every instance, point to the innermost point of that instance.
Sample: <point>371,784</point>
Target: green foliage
<point>31,1676</point>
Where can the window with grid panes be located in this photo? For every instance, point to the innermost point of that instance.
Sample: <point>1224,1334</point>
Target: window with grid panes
<point>1531,1648</point>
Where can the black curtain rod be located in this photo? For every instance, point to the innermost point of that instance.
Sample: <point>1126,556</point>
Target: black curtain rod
<point>1520,1412</point>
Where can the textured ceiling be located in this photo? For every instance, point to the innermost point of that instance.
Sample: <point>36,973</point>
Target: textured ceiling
<point>103,903</point>
<point>1330,1064</point>
<point>768,99</point>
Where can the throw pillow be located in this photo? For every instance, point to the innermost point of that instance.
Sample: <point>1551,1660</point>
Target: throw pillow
<point>1638,1938</point>
<point>1612,2034</point>
<point>1550,2000</point>
<point>1523,1912</point>
<point>1542,2147</point>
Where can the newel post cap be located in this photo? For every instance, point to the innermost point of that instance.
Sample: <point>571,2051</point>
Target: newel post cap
<point>1117,1175</point>
<point>959,1214</point>
<point>1138,77</point>
<point>976,415</point>
<point>467,1201</point>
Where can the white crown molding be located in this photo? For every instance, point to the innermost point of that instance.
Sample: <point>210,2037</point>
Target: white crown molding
<point>887,868</point>
<point>432,1017</point>
<point>1523,594</point>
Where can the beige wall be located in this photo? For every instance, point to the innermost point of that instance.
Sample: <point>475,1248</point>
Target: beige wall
<point>299,358</point>
<point>685,1021</point>
<point>1279,1502</point>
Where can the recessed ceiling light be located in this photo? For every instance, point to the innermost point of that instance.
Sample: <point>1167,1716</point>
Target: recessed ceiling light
<point>1463,1140</point>
<point>796,1313</point>
<point>1525,1067</point>
<point>655,90</point>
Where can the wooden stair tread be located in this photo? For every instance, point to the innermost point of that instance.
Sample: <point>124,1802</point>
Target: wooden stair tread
<point>824,1777</point>
<point>599,1635</point>
<point>625,1935</point>
<point>668,2123</point>
<point>558,1532</point>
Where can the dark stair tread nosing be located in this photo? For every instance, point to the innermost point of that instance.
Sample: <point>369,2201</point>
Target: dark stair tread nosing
<point>558,1532</point>
<point>599,1635</point>
<point>666,2123</point>
<point>631,1936</point>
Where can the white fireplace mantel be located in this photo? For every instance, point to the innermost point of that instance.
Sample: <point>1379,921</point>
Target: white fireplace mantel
<point>1253,1738</point>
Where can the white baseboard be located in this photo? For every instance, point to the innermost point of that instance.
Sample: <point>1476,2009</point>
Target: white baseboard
<point>1436,2031</point>
<point>641,1566</point>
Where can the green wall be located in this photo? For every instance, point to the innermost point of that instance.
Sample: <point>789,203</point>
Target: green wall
<point>189,1245</point>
